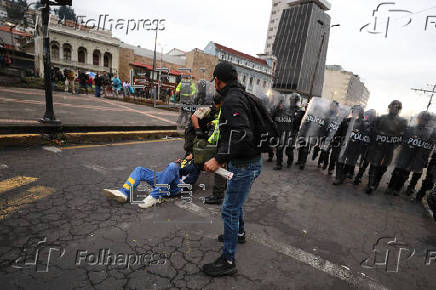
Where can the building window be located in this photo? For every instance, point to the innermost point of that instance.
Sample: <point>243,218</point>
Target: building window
<point>107,60</point>
<point>271,29</point>
<point>264,84</point>
<point>251,81</point>
<point>269,45</point>
<point>244,79</point>
<point>275,4</point>
<point>96,57</point>
<point>274,12</point>
<point>55,50</point>
<point>81,55</point>
<point>67,52</point>
<point>258,82</point>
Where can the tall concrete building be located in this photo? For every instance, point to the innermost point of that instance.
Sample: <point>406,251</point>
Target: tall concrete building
<point>300,46</point>
<point>344,87</point>
<point>276,13</point>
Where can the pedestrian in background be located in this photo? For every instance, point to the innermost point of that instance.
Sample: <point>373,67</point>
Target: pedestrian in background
<point>69,80</point>
<point>116,85</point>
<point>98,82</point>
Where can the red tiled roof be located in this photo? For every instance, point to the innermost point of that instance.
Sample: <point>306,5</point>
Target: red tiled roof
<point>14,31</point>
<point>150,68</point>
<point>240,54</point>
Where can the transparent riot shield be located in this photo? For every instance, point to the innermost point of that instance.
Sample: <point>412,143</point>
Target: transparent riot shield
<point>417,144</point>
<point>356,138</point>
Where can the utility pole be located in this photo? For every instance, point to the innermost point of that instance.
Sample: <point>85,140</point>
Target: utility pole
<point>427,92</point>
<point>49,116</point>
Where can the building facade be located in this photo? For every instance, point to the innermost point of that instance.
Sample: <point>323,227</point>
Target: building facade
<point>78,48</point>
<point>301,48</point>
<point>276,13</point>
<point>253,72</point>
<point>131,56</point>
<point>344,87</point>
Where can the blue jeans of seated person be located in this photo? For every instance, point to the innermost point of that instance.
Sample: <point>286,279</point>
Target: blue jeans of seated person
<point>170,176</point>
<point>238,188</point>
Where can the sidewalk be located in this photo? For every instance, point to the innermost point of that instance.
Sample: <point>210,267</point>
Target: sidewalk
<point>21,109</point>
<point>26,106</point>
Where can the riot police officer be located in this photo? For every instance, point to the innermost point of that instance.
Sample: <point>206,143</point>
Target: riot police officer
<point>287,117</point>
<point>387,135</point>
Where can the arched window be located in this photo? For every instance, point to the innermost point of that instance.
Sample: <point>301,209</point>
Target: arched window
<point>55,50</point>
<point>251,81</point>
<point>82,54</point>
<point>67,51</point>
<point>107,59</point>
<point>96,57</point>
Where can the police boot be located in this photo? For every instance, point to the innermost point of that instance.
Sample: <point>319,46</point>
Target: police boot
<point>278,167</point>
<point>289,164</point>
<point>372,180</point>
<point>339,174</point>
<point>420,195</point>
<point>359,176</point>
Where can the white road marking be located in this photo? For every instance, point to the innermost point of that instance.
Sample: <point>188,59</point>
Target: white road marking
<point>52,149</point>
<point>95,167</point>
<point>358,280</point>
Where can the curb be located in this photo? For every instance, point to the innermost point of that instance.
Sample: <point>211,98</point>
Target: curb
<point>12,140</point>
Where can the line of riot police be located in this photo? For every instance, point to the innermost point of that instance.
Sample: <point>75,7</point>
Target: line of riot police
<point>343,138</point>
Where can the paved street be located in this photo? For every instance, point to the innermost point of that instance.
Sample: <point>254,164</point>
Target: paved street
<point>27,106</point>
<point>303,233</point>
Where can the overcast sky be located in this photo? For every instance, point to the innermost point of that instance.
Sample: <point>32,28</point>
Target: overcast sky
<point>389,66</point>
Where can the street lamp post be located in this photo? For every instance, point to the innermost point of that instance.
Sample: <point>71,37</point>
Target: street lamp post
<point>49,116</point>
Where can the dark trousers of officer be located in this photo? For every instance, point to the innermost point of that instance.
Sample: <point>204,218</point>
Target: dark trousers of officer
<point>289,150</point>
<point>399,177</point>
<point>427,184</point>
<point>376,174</point>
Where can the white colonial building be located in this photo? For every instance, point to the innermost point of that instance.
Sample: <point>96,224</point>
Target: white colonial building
<point>253,72</point>
<point>78,48</point>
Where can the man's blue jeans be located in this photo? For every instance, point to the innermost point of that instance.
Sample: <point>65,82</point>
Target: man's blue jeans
<point>244,174</point>
<point>169,177</point>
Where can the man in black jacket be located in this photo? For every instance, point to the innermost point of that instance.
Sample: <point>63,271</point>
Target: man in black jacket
<point>237,146</point>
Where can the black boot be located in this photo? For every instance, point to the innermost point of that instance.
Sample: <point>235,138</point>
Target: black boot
<point>339,174</point>
<point>372,180</point>
<point>420,195</point>
<point>289,164</point>
<point>278,167</point>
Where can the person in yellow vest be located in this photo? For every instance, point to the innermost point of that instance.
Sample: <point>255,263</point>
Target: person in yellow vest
<point>187,90</point>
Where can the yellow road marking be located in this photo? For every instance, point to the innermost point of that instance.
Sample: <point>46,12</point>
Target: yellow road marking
<point>120,144</point>
<point>15,182</point>
<point>33,194</point>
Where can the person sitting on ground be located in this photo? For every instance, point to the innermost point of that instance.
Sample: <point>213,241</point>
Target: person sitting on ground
<point>176,173</point>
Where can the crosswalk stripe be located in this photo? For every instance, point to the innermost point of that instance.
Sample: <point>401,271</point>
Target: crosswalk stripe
<point>33,194</point>
<point>15,182</point>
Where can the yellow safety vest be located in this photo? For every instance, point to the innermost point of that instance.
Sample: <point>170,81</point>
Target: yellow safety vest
<point>213,139</point>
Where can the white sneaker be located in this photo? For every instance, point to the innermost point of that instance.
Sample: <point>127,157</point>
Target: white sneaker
<point>116,195</point>
<point>148,202</point>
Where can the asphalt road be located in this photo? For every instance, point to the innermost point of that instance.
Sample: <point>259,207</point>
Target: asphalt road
<point>303,232</point>
<point>27,106</point>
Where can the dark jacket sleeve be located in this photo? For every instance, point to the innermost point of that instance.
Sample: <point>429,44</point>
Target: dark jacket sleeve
<point>236,136</point>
